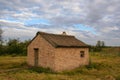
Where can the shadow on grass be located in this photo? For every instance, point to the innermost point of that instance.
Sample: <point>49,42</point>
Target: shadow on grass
<point>118,77</point>
<point>41,70</point>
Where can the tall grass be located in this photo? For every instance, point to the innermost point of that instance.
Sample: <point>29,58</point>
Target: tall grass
<point>104,65</point>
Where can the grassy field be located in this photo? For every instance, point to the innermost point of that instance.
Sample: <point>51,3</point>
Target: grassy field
<point>104,65</point>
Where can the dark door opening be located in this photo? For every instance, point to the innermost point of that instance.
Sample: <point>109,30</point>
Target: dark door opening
<point>36,52</point>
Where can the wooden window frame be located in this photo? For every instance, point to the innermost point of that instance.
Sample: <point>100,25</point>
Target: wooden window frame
<point>82,54</point>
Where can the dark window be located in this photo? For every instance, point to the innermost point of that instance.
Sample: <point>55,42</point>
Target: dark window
<point>82,53</point>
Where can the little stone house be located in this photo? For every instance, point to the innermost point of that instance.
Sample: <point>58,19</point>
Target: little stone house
<point>57,51</point>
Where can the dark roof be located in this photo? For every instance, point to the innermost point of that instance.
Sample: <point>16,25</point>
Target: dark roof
<point>67,41</point>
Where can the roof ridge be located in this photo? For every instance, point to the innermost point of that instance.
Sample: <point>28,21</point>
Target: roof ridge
<point>39,32</point>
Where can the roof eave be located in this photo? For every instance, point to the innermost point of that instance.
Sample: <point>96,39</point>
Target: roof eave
<point>71,46</point>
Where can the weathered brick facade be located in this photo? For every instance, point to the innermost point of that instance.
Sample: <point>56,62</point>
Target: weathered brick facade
<point>57,59</point>
<point>69,58</point>
<point>46,53</point>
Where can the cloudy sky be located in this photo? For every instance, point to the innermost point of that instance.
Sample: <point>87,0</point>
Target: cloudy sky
<point>88,20</point>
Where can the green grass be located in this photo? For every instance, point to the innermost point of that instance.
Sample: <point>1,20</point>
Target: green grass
<point>104,65</point>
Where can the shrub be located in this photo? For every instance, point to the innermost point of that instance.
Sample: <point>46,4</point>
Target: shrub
<point>97,66</point>
<point>40,70</point>
<point>118,77</point>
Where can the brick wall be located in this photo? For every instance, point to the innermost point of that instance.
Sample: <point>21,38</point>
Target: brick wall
<point>69,58</point>
<point>46,53</point>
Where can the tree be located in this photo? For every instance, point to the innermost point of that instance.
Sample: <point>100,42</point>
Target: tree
<point>102,44</point>
<point>1,50</point>
<point>15,46</point>
<point>1,31</point>
<point>99,45</point>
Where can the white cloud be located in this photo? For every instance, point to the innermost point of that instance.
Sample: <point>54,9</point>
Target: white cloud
<point>24,15</point>
<point>109,29</point>
<point>17,30</point>
<point>103,15</point>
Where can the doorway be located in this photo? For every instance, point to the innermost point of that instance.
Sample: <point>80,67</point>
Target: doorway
<point>36,56</point>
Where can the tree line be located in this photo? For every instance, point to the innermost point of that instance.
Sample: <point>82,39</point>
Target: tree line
<point>16,47</point>
<point>13,46</point>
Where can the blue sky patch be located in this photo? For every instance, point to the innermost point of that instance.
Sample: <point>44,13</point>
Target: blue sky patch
<point>85,28</point>
<point>11,19</point>
<point>37,21</point>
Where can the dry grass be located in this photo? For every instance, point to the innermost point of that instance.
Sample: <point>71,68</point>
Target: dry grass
<point>103,67</point>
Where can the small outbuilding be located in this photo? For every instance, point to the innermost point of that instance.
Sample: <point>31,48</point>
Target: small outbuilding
<point>57,51</point>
